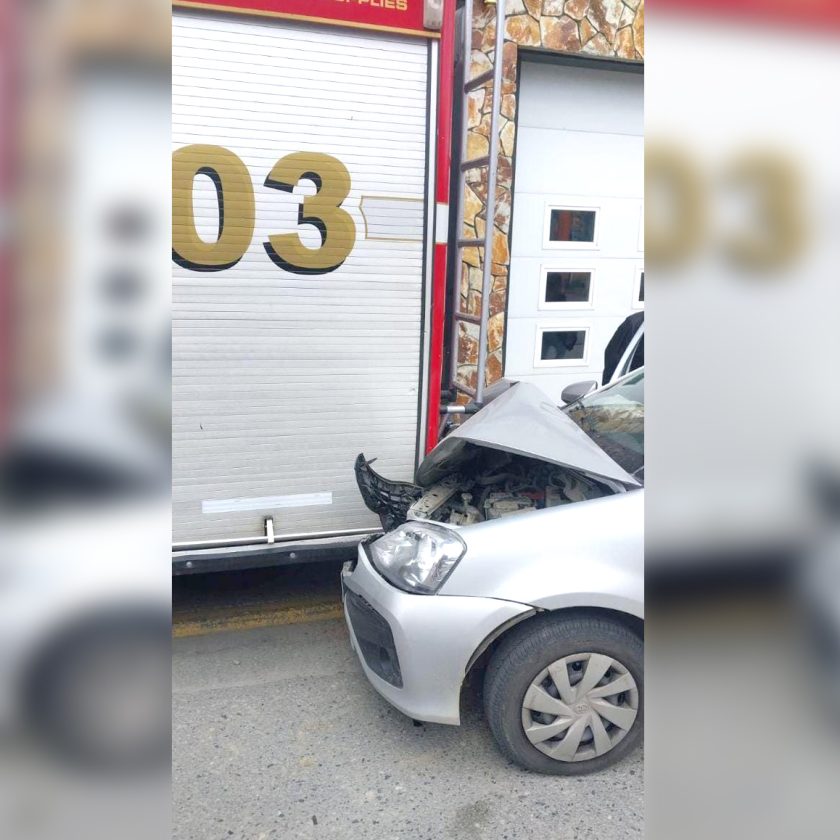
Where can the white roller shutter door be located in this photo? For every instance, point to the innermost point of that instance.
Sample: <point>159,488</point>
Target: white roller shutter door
<point>280,378</point>
<point>579,149</point>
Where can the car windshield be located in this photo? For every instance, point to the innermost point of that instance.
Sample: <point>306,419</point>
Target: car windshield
<point>614,418</point>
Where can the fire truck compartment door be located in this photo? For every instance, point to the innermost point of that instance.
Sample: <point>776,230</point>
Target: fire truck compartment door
<point>299,184</point>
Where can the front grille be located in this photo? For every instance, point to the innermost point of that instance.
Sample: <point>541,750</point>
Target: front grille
<point>375,639</point>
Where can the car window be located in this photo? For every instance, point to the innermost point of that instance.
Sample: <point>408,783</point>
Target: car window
<point>635,356</point>
<point>638,358</point>
<point>614,418</point>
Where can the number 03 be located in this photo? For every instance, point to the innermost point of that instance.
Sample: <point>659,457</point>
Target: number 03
<point>235,196</point>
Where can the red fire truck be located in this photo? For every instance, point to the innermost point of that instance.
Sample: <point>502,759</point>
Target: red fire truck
<point>310,215</point>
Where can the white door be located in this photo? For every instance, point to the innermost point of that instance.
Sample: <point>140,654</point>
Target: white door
<point>577,266</point>
<point>300,161</point>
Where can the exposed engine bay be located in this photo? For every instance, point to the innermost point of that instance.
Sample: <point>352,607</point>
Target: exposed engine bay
<point>519,453</point>
<point>488,484</point>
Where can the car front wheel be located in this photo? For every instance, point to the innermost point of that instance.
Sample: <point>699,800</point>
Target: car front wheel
<point>563,694</point>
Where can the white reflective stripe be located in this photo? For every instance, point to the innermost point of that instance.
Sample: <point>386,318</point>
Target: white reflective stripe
<point>441,223</point>
<point>266,502</point>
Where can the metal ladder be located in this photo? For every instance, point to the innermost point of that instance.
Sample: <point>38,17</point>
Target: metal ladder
<point>490,161</point>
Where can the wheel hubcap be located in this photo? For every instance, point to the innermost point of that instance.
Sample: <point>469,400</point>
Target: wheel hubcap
<point>580,707</point>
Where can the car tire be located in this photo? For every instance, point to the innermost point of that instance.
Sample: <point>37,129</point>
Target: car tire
<point>555,644</point>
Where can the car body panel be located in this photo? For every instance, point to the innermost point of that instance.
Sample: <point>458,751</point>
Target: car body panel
<point>524,421</point>
<point>545,560</point>
<point>435,637</point>
<point>590,553</point>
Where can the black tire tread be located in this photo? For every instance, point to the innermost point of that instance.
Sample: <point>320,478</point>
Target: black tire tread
<point>542,640</point>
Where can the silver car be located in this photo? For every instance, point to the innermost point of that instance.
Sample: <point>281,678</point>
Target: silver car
<point>517,554</point>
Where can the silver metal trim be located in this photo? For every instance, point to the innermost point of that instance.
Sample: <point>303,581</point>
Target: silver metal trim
<point>431,240</point>
<point>477,81</point>
<point>465,389</point>
<point>475,163</point>
<point>490,217</point>
<point>466,48</point>
<point>262,539</point>
<point>491,161</point>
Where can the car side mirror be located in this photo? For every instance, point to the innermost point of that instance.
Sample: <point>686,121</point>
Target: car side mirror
<point>576,390</point>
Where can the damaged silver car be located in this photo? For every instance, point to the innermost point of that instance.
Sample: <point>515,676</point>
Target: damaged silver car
<point>516,555</point>
<point>519,454</point>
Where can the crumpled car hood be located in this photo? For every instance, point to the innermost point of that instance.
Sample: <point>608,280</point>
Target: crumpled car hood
<point>523,421</point>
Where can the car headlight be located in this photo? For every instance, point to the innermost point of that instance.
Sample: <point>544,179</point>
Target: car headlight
<point>417,557</point>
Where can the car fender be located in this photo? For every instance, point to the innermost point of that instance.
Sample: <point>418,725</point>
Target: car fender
<point>586,554</point>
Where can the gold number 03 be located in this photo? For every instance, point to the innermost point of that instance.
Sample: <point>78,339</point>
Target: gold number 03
<point>235,196</point>
<point>323,210</point>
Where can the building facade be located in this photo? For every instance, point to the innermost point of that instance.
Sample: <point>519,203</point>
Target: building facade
<point>568,240</point>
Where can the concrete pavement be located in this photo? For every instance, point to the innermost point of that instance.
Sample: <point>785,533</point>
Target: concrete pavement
<point>277,734</point>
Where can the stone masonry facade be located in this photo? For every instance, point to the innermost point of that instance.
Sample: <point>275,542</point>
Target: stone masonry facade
<point>601,28</point>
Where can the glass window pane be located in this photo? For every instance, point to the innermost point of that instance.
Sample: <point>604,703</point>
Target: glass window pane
<point>562,344</point>
<point>638,355</point>
<point>567,286</point>
<point>614,418</point>
<point>572,225</point>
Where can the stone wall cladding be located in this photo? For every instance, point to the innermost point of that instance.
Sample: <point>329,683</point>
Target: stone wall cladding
<point>605,28</point>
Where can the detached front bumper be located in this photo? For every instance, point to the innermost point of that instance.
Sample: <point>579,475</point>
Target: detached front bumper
<point>415,649</point>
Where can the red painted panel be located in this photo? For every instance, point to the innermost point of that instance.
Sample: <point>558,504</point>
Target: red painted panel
<point>400,15</point>
<point>446,84</point>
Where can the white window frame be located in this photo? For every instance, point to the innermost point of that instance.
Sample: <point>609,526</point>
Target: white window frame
<point>546,268</point>
<point>639,270</point>
<point>570,326</point>
<point>558,245</point>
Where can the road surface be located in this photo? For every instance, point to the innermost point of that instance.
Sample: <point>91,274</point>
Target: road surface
<point>277,734</point>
